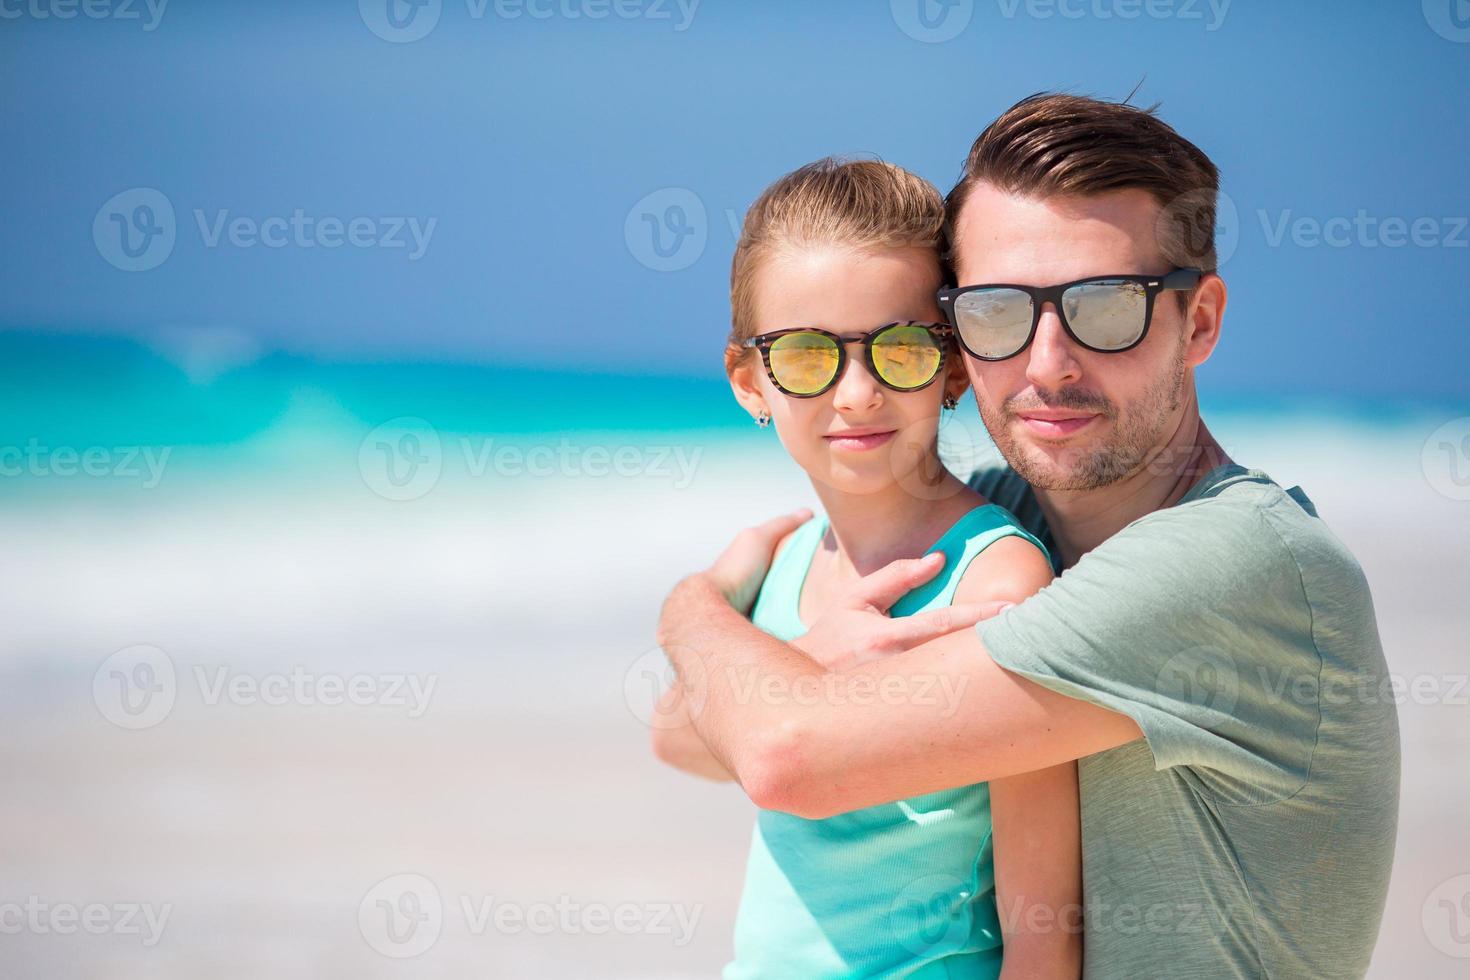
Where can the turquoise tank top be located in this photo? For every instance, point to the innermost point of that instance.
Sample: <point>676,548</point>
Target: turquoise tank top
<point>903,889</point>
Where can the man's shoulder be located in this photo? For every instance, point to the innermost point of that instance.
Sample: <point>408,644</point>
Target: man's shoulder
<point>1241,516</point>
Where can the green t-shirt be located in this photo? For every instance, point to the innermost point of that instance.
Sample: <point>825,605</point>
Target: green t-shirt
<point>1251,832</point>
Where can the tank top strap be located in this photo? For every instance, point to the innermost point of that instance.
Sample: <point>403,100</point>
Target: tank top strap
<point>965,539</point>
<point>777,606</point>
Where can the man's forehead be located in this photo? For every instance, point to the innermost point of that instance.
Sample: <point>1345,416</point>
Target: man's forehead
<point>1005,237</point>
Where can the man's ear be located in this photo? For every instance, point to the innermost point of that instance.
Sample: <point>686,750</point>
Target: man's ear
<point>744,367</point>
<point>1206,311</point>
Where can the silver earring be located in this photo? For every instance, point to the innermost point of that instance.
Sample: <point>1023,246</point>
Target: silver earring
<point>763,419</point>
<point>950,402</point>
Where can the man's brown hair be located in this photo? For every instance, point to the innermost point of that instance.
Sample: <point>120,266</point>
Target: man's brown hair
<point>1050,144</point>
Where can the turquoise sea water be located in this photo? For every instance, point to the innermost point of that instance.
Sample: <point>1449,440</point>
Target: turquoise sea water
<point>220,406</point>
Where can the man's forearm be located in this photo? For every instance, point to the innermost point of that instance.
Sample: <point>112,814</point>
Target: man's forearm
<point>813,743</point>
<point>729,669</point>
<point>677,742</point>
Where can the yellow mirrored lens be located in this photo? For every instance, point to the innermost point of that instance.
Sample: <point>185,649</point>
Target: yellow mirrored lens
<point>907,356</point>
<point>803,363</point>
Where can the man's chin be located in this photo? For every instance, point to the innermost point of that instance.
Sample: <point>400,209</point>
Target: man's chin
<point>1048,467</point>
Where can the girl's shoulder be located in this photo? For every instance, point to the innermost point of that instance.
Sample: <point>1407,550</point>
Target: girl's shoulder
<point>1009,567</point>
<point>984,524</point>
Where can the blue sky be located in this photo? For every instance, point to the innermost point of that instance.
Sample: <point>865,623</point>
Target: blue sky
<point>478,194</point>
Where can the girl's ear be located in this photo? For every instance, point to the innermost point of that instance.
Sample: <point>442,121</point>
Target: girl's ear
<point>744,368</point>
<point>956,378</point>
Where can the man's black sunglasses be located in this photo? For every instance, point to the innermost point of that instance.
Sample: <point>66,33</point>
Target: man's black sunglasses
<point>1107,314</point>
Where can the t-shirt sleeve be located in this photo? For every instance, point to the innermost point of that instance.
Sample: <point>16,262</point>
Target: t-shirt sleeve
<point>1193,622</point>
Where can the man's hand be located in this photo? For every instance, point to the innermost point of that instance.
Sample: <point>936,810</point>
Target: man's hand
<point>856,628</point>
<point>741,568</point>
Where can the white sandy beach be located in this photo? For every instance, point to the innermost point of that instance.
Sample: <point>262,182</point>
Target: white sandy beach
<point>512,617</point>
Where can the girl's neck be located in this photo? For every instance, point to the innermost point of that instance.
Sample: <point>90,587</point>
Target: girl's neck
<point>867,531</point>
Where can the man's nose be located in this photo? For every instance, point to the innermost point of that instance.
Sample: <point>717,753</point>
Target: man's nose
<point>1052,358</point>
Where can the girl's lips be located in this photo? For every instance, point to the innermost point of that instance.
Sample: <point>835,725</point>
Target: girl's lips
<point>860,443</point>
<point>1056,428</point>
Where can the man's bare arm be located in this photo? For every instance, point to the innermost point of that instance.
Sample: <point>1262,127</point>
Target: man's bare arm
<point>939,715</point>
<point>677,743</point>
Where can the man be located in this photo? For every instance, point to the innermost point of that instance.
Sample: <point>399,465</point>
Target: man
<point>1209,651</point>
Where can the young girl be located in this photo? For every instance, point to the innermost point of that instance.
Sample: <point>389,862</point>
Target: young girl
<point>837,340</point>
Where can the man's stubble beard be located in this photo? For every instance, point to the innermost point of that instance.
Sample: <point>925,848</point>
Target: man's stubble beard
<point>1133,436</point>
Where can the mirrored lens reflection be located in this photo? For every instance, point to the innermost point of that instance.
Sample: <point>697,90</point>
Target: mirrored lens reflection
<point>803,362</point>
<point>993,322</point>
<point>906,356</point>
<point>1106,315</point>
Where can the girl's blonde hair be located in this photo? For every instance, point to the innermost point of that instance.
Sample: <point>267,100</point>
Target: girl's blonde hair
<point>856,203</point>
